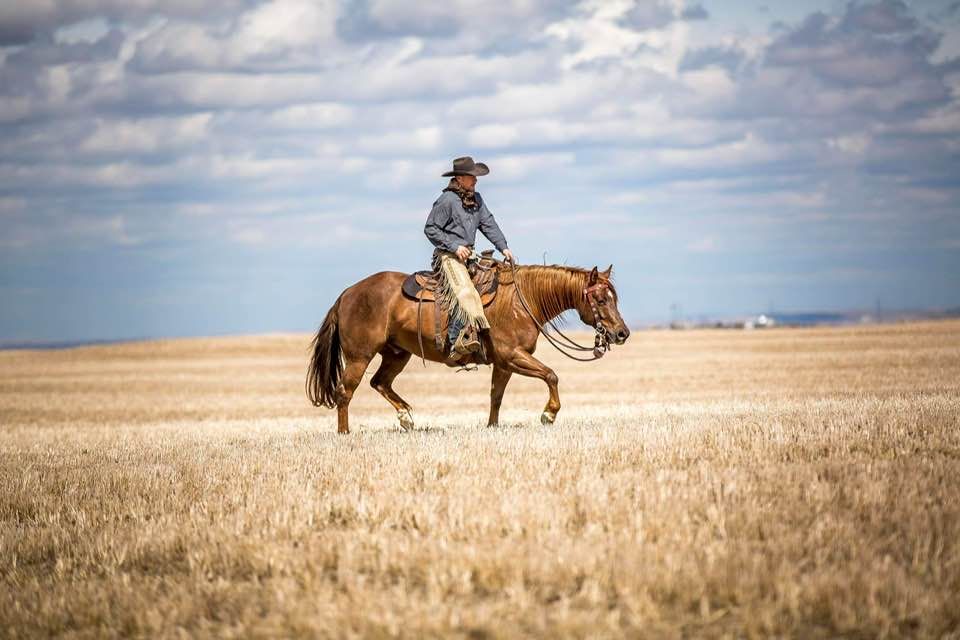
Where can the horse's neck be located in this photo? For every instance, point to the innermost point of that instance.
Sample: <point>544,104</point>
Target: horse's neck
<point>551,290</point>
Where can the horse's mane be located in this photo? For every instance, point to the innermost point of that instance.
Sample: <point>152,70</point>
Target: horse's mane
<point>552,289</point>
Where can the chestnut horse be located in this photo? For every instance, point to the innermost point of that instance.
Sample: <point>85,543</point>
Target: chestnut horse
<point>374,317</point>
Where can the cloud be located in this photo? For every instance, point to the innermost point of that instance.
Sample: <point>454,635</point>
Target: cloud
<point>146,135</point>
<point>657,14</point>
<point>886,17</point>
<point>874,45</point>
<point>311,115</point>
<point>236,126</point>
<point>519,166</point>
<point>408,141</point>
<point>845,75</point>
<point>498,26</point>
<point>276,35</point>
<point>729,58</point>
<point>368,20</point>
<point>46,50</point>
<point>79,230</point>
<point>21,22</point>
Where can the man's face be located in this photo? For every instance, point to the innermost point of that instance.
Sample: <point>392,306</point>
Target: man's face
<point>468,182</point>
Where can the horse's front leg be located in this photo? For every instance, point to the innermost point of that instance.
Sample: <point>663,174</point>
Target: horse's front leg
<point>525,364</point>
<point>498,384</point>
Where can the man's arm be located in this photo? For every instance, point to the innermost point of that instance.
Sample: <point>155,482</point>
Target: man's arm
<point>488,225</point>
<point>438,219</point>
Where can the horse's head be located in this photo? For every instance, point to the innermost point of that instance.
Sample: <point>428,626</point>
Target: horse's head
<point>598,305</point>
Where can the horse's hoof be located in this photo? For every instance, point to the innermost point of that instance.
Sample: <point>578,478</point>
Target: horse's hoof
<point>547,417</point>
<point>406,420</point>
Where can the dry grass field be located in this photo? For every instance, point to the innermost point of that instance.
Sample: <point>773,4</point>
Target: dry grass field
<point>799,483</point>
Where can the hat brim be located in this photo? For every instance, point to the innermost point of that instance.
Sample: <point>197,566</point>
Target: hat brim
<point>479,169</point>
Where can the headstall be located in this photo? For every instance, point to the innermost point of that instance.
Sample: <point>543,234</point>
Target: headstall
<point>600,342</point>
<point>562,342</point>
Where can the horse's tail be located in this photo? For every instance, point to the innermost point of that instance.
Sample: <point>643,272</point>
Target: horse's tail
<point>326,365</point>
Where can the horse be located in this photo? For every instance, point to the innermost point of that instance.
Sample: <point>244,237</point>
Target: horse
<point>373,317</point>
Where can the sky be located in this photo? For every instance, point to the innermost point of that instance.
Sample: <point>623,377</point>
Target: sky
<point>185,168</point>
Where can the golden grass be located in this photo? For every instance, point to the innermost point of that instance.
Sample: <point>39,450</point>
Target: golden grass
<point>708,483</point>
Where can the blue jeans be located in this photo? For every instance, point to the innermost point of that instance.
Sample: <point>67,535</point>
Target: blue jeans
<point>453,330</point>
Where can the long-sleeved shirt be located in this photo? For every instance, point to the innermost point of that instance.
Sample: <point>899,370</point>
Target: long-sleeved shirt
<point>449,226</point>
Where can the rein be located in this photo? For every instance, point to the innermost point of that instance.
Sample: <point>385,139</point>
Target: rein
<point>600,342</point>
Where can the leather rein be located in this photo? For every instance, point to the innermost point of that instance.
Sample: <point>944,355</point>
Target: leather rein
<point>600,343</point>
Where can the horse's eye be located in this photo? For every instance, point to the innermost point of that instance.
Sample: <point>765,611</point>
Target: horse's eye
<point>601,301</point>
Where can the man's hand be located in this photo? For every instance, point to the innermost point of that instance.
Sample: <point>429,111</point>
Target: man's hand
<point>463,253</point>
<point>508,255</point>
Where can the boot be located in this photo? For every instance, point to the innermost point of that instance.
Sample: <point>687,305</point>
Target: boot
<point>467,341</point>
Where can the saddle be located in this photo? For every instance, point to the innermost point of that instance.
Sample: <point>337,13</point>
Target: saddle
<point>487,274</point>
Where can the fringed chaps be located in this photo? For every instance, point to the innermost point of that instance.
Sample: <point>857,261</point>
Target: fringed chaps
<point>457,293</point>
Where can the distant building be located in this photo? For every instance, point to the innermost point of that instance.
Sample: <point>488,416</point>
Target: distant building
<point>763,321</point>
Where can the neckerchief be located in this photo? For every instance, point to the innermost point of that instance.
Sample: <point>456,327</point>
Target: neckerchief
<point>470,199</point>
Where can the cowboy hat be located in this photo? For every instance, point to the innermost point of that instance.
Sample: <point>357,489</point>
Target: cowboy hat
<point>466,166</point>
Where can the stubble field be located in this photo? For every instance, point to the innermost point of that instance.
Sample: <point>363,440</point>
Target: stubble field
<point>704,483</point>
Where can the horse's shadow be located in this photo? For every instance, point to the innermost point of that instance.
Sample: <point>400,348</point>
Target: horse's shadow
<point>443,429</point>
<point>425,430</point>
<point>505,426</point>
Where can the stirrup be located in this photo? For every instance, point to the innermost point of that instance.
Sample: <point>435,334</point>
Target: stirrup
<point>466,343</point>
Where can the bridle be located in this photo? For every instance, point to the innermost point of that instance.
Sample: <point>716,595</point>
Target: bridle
<point>600,342</point>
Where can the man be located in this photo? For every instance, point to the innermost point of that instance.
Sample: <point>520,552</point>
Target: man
<point>452,228</point>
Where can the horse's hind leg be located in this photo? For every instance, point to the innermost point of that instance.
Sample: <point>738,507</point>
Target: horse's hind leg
<point>391,365</point>
<point>352,374</point>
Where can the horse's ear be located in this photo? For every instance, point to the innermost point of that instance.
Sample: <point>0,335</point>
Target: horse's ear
<point>593,276</point>
<point>608,271</point>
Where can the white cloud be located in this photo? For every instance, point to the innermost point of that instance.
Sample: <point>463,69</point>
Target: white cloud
<point>403,141</point>
<point>596,34</point>
<point>312,116</point>
<point>519,166</point>
<point>493,135</point>
<point>944,121</point>
<point>285,24</point>
<point>751,150</point>
<point>854,144</point>
<point>146,135</point>
<point>573,92</point>
<point>281,34</point>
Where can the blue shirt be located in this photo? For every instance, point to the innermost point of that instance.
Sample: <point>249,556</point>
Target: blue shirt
<point>449,225</point>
